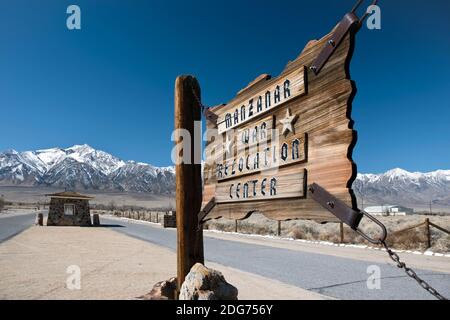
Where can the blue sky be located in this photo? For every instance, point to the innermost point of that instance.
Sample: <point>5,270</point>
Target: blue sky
<point>111,84</point>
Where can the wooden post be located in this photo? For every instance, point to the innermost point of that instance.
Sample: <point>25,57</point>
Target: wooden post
<point>279,227</point>
<point>188,177</point>
<point>428,233</point>
<point>341,227</point>
<point>235,226</point>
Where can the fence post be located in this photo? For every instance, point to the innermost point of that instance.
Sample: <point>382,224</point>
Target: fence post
<point>279,227</point>
<point>341,228</point>
<point>428,233</point>
<point>235,226</point>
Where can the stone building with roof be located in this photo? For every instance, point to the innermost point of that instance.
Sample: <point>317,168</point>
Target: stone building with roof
<point>69,209</point>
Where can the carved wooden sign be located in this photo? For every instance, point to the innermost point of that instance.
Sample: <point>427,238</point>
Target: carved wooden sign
<point>279,135</point>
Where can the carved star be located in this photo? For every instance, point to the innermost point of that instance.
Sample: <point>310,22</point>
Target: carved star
<point>288,122</point>
<point>228,145</point>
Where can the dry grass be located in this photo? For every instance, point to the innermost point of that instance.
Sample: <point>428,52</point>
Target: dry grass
<point>308,230</point>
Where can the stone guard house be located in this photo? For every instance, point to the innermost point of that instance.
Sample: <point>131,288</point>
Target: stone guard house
<point>69,209</point>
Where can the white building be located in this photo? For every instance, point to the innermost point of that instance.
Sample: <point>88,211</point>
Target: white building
<point>389,210</point>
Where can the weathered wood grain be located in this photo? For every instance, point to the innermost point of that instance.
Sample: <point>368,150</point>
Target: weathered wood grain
<point>188,180</point>
<point>265,186</point>
<point>245,108</point>
<point>323,116</point>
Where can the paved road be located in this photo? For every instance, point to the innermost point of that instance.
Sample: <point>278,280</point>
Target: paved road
<point>333,276</point>
<point>11,226</point>
<point>341,278</point>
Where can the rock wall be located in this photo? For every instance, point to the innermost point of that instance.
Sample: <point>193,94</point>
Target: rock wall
<point>81,216</point>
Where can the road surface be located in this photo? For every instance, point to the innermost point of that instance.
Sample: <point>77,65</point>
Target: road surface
<point>14,224</point>
<point>333,276</point>
<point>337,277</point>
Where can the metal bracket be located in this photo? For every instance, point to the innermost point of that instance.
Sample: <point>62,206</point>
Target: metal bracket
<point>205,211</point>
<point>350,217</point>
<point>347,215</point>
<point>350,22</point>
<point>211,116</point>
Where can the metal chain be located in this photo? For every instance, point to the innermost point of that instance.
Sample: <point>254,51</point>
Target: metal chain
<point>411,273</point>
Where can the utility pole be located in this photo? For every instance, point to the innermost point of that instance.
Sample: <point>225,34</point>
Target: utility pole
<point>188,177</point>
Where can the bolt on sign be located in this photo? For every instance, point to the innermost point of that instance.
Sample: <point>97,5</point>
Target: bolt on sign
<point>281,134</point>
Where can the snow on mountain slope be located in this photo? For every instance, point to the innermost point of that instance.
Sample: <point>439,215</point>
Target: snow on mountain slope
<point>100,160</point>
<point>82,167</point>
<point>145,178</point>
<point>401,187</point>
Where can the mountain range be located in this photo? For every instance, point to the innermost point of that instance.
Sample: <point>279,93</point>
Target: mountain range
<point>81,167</point>
<point>400,187</point>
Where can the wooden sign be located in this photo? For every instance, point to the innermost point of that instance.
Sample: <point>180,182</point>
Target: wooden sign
<point>280,135</point>
<point>263,187</point>
<point>244,110</point>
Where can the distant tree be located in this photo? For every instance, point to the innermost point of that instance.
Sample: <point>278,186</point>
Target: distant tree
<point>112,206</point>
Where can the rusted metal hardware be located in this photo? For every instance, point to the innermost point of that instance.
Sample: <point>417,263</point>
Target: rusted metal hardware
<point>337,207</point>
<point>358,4</point>
<point>412,274</point>
<point>349,23</point>
<point>211,116</point>
<point>383,236</point>
<point>353,218</point>
<point>343,212</point>
<point>205,211</point>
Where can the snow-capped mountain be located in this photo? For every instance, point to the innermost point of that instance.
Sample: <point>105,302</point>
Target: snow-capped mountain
<point>82,167</point>
<point>401,187</point>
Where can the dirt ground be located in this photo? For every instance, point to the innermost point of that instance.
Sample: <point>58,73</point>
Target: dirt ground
<point>34,265</point>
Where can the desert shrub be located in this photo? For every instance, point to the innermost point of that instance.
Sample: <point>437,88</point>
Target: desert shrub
<point>298,229</point>
<point>297,233</point>
<point>253,228</point>
<point>111,206</point>
<point>325,235</point>
<point>441,244</point>
<point>226,226</point>
<point>304,232</point>
<point>409,240</point>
